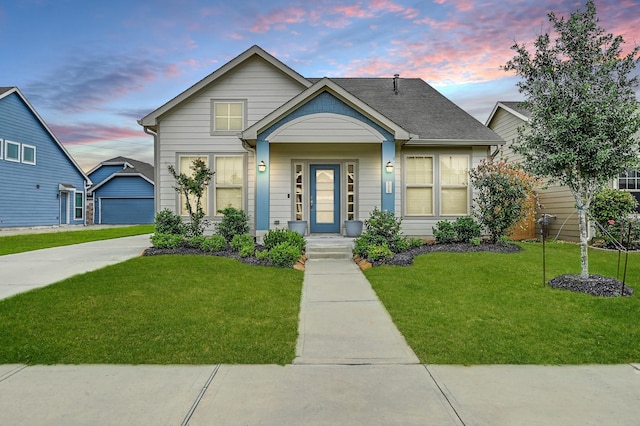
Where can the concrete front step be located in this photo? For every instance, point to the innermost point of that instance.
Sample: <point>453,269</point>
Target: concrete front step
<point>329,248</point>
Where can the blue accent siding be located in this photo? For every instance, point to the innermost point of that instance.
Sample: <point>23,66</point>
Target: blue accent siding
<point>326,102</point>
<point>29,193</point>
<point>388,154</point>
<point>129,189</point>
<point>103,172</point>
<point>262,186</point>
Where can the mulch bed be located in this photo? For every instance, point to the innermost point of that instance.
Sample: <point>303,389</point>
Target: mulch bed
<point>595,285</point>
<point>406,258</point>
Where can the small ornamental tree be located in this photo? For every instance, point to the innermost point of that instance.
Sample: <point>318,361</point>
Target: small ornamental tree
<point>501,194</point>
<point>579,89</point>
<point>193,187</point>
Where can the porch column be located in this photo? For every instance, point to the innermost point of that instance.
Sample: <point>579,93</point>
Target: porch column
<point>262,186</point>
<point>388,178</point>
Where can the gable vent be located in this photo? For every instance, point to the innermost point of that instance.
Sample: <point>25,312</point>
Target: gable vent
<point>395,83</point>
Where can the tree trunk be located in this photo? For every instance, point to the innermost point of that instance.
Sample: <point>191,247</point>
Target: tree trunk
<point>584,246</point>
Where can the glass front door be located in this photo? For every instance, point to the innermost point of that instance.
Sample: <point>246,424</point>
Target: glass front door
<point>325,198</point>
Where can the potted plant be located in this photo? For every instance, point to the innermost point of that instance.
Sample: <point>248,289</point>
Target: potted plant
<point>299,226</point>
<point>353,228</point>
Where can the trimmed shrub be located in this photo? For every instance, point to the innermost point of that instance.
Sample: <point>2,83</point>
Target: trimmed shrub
<point>241,240</point>
<point>234,222</point>
<point>284,255</point>
<point>167,222</point>
<point>196,241</point>
<point>262,254</point>
<point>213,244</point>
<point>612,204</point>
<point>169,241</point>
<point>466,229</point>
<point>379,252</point>
<point>277,236</point>
<point>444,232</point>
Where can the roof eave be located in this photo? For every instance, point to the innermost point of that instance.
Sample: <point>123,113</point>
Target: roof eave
<point>454,142</point>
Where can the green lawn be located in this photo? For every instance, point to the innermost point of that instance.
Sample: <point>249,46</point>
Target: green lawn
<point>486,308</point>
<point>26,242</point>
<point>161,310</point>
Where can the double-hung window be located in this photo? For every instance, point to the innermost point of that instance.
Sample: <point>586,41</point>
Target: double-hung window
<point>419,186</point>
<point>229,181</point>
<point>227,116</point>
<point>186,167</point>
<point>454,185</point>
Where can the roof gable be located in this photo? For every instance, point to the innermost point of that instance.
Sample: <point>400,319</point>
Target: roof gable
<point>150,120</point>
<point>128,167</point>
<point>7,91</point>
<point>321,86</point>
<point>512,107</point>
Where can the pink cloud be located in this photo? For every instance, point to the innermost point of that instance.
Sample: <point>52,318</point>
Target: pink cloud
<point>88,133</point>
<point>278,19</point>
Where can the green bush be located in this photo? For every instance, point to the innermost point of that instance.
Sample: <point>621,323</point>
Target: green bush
<point>466,229</point>
<point>384,226</point>
<point>284,255</point>
<point>213,244</point>
<point>262,254</point>
<point>379,252</point>
<point>444,232</point>
<point>476,241</point>
<point>234,222</point>
<point>365,241</point>
<point>196,241</point>
<point>243,244</point>
<point>167,222</point>
<point>169,241</point>
<point>612,204</point>
<point>277,236</point>
<point>415,242</point>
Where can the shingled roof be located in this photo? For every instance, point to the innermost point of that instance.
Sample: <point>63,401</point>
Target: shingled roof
<point>135,167</point>
<point>418,108</point>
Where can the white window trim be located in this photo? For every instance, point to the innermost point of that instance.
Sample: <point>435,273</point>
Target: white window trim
<point>432,185</point>
<point>214,131</point>
<point>33,163</point>
<point>442,186</point>
<point>75,206</point>
<point>215,186</point>
<point>1,148</point>
<point>6,150</point>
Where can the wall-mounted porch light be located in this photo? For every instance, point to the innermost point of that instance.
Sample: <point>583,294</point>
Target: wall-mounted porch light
<point>262,166</point>
<point>389,167</point>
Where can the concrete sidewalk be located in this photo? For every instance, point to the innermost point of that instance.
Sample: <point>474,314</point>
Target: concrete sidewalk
<point>25,271</point>
<point>352,367</point>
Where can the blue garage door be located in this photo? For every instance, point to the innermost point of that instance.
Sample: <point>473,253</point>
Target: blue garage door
<point>126,211</point>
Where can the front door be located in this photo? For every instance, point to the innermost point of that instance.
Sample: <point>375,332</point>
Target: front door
<point>325,198</point>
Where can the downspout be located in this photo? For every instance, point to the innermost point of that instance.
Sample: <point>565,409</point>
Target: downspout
<point>156,168</point>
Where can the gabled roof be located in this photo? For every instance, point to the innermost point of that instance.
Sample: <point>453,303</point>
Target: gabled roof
<point>6,91</point>
<point>328,85</point>
<point>513,107</point>
<point>150,120</point>
<point>130,167</point>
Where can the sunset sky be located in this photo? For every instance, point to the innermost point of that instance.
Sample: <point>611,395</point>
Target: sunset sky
<point>91,69</point>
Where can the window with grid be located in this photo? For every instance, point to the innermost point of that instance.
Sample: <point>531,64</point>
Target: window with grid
<point>630,181</point>
<point>186,167</point>
<point>228,116</point>
<point>229,181</point>
<point>419,186</point>
<point>454,187</point>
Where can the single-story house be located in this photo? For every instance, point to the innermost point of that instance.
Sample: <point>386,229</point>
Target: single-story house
<point>319,150</point>
<point>41,184</point>
<point>122,192</point>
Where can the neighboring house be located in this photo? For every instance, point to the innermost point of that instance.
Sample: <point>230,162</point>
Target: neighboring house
<point>122,192</point>
<point>324,150</point>
<point>40,184</point>
<point>556,200</point>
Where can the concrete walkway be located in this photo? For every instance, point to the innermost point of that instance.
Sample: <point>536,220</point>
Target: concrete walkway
<point>352,367</point>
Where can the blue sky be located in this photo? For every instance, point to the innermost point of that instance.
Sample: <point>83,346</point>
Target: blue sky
<point>91,69</point>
